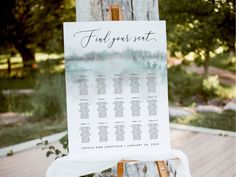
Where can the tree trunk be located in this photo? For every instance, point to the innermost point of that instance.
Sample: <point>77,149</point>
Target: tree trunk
<point>206,64</point>
<point>9,66</point>
<point>27,56</point>
<point>97,10</point>
<point>231,51</point>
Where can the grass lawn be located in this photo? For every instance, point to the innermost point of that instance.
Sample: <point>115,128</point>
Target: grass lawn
<point>223,121</point>
<point>22,132</point>
<point>17,83</point>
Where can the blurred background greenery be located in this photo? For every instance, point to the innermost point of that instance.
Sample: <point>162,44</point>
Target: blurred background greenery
<point>201,64</point>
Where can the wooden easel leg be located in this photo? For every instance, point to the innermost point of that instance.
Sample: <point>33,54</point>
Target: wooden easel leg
<point>120,169</point>
<point>161,167</point>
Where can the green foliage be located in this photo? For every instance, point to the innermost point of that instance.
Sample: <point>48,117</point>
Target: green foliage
<point>224,61</point>
<point>52,150</point>
<point>49,99</point>
<point>15,103</point>
<point>223,121</point>
<point>3,103</point>
<point>187,88</point>
<point>211,85</point>
<point>64,142</point>
<point>199,26</point>
<point>58,153</point>
<point>18,103</point>
<point>17,82</point>
<point>10,153</point>
<point>213,89</point>
<point>226,92</point>
<point>29,130</point>
<point>26,26</point>
<point>90,175</point>
<point>184,88</point>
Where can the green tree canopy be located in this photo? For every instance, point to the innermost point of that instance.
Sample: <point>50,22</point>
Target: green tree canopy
<point>199,26</point>
<point>26,26</point>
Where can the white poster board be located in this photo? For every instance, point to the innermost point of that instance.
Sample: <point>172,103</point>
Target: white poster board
<point>116,86</point>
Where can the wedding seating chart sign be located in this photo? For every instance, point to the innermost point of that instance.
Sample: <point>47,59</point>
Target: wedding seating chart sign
<point>116,87</point>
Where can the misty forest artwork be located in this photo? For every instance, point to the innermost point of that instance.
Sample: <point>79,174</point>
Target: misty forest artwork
<point>116,86</point>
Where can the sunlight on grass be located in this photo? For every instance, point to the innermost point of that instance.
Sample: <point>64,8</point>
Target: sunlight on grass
<point>226,92</point>
<point>17,65</point>
<point>16,61</point>
<point>3,66</point>
<point>59,68</point>
<point>44,56</point>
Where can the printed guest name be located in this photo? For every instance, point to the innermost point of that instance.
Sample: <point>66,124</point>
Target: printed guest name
<point>92,36</point>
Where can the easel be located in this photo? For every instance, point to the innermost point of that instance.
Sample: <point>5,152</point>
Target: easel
<point>115,14</point>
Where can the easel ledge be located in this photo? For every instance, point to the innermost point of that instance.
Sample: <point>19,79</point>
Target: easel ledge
<point>115,14</point>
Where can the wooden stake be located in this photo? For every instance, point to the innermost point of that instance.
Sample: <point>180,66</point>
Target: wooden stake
<point>115,13</point>
<point>120,169</point>
<point>161,166</point>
